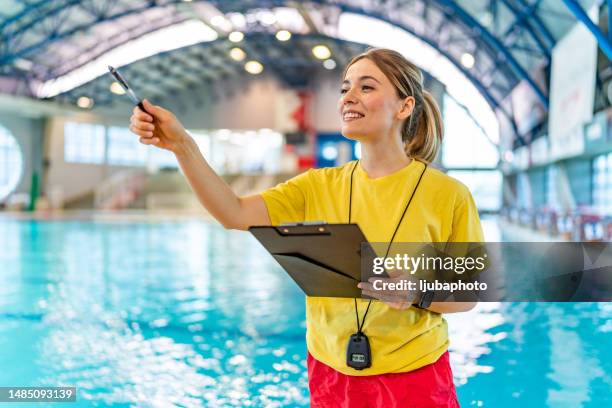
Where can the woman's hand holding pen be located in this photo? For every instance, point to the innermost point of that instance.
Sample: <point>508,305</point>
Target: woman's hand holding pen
<point>159,127</point>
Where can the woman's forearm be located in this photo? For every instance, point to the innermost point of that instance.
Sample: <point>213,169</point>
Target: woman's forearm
<point>212,191</point>
<point>159,127</point>
<point>451,307</point>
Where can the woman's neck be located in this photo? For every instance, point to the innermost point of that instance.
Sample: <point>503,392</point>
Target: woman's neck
<point>381,159</point>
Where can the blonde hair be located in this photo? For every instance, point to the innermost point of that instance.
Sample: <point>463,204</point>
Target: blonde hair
<point>422,132</point>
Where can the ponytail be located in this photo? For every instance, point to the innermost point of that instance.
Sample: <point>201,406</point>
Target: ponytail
<point>423,131</point>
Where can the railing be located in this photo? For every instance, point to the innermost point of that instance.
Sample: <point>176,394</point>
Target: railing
<point>119,190</point>
<point>173,201</point>
<point>580,224</point>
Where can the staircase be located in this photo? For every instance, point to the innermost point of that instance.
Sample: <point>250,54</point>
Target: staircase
<point>120,190</point>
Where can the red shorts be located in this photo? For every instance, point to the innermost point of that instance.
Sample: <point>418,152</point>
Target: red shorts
<point>430,386</point>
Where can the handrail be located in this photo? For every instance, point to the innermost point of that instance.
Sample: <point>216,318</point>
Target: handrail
<point>119,190</point>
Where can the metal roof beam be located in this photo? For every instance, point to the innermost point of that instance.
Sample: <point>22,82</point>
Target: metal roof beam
<point>604,42</point>
<point>28,9</point>
<point>306,16</point>
<point>43,10</point>
<point>497,45</point>
<point>72,65</point>
<point>609,4</point>
<point>522,21</point>
<point>492,101</point>
<point>531,11</point>
<point>526,49</point>
<point>13,36</point>
<point>42,14</point>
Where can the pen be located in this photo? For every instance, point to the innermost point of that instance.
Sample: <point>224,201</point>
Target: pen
<point>126,87</point>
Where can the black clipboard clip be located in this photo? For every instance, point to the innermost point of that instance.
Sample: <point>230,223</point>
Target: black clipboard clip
<point>303,228</point>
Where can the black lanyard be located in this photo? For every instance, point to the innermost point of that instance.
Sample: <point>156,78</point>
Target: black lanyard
<point>360,325</point>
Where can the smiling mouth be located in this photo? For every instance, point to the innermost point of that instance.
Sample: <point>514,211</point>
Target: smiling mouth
<point>351,116</point>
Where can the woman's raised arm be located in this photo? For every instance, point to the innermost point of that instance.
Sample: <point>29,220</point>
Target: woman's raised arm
<point>160,128</point>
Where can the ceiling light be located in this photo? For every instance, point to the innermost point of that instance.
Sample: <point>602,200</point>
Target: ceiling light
<point>486,19</point>
<point>23,64</point>
<point>85,102</point>
<point>321,52</point>
<point>237,19</point>
<point>237,54</point>
<point>467,60</point>
<point>221,22</point>
<point>253,67</point>
<point>283,35</point>
<point>236,36</point>
<point>329,64</point>
<point>217,21</point>
<point>266,17</point>
<point>116,88</point>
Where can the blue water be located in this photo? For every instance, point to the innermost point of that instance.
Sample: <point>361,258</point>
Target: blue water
<point>188,314</point>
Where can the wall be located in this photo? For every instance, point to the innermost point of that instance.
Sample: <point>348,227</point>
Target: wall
<point>29,135</point>
<point>325,107</point>
<point>247,107</point>
<point>246,103</point>
<point>579,173</point>
<point>253,103</point>
<point>242,103</point>
<point>252,107</point>
<point>75,179</point>
<point>537,180</point>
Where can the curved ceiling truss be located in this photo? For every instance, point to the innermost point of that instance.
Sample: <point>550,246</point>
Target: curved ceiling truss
<point>508,39</point>
<point>206,67</point>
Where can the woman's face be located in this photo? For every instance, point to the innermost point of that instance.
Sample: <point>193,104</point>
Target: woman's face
<point>369,105</point>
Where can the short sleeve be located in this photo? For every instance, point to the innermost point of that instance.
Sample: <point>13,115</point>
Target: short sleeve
<point>466,229</point>
<point>466,222</point>
<point>286,202</point>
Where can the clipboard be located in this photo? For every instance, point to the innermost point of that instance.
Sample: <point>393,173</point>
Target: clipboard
<point>325,260</point>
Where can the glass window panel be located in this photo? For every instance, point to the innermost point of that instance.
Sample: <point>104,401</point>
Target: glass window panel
<point>160,158</point>
<point>602,184</point>
<point>485,187</point>
<point>124,149</point>
<point>11,163</point>
<point>465,144</point>
<point>84,143</point>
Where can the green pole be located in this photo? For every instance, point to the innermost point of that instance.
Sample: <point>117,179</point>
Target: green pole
<point>34,189</point>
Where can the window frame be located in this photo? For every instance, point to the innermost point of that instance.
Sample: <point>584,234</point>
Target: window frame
<point>5,131</point>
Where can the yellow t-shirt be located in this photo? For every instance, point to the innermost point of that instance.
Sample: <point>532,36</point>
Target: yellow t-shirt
<point>442,210</point>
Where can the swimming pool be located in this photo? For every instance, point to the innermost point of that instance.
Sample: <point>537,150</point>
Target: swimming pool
<point>184,313</point>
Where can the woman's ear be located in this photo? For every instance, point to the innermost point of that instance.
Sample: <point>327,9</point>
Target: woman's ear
<point>406,107</point>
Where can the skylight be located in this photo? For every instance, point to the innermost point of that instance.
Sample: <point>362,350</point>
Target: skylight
<point>165,39</point>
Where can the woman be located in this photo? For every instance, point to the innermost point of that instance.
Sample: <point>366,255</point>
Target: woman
<point>394,197</point>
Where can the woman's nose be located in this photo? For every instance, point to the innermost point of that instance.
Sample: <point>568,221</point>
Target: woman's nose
<point>348,97</point>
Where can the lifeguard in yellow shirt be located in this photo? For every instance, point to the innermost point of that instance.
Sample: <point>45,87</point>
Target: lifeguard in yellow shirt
<point>394,196</point>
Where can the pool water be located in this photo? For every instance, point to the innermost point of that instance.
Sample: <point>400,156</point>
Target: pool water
<point>184,313</point>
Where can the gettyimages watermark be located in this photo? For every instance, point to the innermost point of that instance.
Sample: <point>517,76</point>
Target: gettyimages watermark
<point>492,272</point>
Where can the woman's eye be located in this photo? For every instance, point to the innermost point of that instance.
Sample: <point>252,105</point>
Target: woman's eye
<point>343,91</point>
<point>366,87</point>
